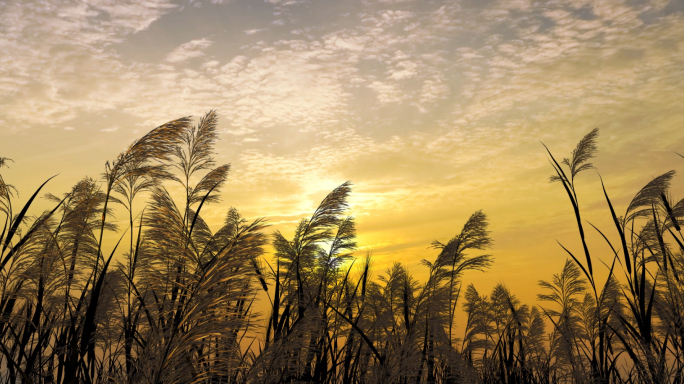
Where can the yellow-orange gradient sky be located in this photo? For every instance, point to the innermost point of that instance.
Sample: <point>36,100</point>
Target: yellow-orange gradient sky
<point>433,109</point>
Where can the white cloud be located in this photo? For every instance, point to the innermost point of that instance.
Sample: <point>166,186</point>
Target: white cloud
<point>387,92</point>
<point>189,50</point>
<point>445,61</point>
<point>210,64</point>
<point>240,131</point>
<point>431,91</point>
<point>69,128</point>
<point>111,129</point>
<point>404,70</point>
<point>56,62</point>
<point>253,31</point>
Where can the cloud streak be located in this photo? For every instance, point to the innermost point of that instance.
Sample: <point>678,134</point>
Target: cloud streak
<point>189,50</point>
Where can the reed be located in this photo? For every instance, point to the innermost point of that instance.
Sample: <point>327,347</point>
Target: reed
<point>174,302</point>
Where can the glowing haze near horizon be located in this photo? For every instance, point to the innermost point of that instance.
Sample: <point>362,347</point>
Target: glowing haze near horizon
<point>433,109</point>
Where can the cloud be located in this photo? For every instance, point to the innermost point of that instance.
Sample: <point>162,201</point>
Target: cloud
<point>387,92</point>
<point>210,64</point>
<point>253,31</point>
<point>404,70</point>
<point>471,64</point>
<point>69,128</point>
<point>433,90</point>
<point>189,50</point>
<point>56,62</point>
<point>294,86</point>
<point>240,131</point>
<point>111,129</point>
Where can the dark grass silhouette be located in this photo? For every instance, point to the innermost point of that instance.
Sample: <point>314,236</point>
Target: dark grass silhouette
<point>177,305</point>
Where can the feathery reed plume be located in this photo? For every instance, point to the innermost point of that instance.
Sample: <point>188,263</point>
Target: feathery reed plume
<point>565,292</point>
<point>648,196</point>
<point>585,150</point>
<point>473,236</point>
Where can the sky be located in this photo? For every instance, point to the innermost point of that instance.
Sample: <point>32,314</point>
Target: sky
<point>433,109</point>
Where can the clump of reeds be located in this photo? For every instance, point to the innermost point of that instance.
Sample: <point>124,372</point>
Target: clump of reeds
<point>173,301</point>
<point>639,313</point>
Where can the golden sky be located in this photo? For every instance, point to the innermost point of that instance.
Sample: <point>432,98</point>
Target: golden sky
<point>433,109</point>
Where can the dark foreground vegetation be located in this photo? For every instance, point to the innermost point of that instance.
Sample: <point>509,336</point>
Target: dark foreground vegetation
<point>173,302</point>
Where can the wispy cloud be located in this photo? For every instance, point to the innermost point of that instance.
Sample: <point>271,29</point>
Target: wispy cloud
<point>253,31</point>
<point>189,50</point>
<point>56,62</point>
<point>240,131</point>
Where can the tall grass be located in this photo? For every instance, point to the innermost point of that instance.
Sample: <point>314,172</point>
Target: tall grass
<point>171,301</point>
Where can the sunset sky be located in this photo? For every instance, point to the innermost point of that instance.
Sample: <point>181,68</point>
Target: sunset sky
<point>433,109</point>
